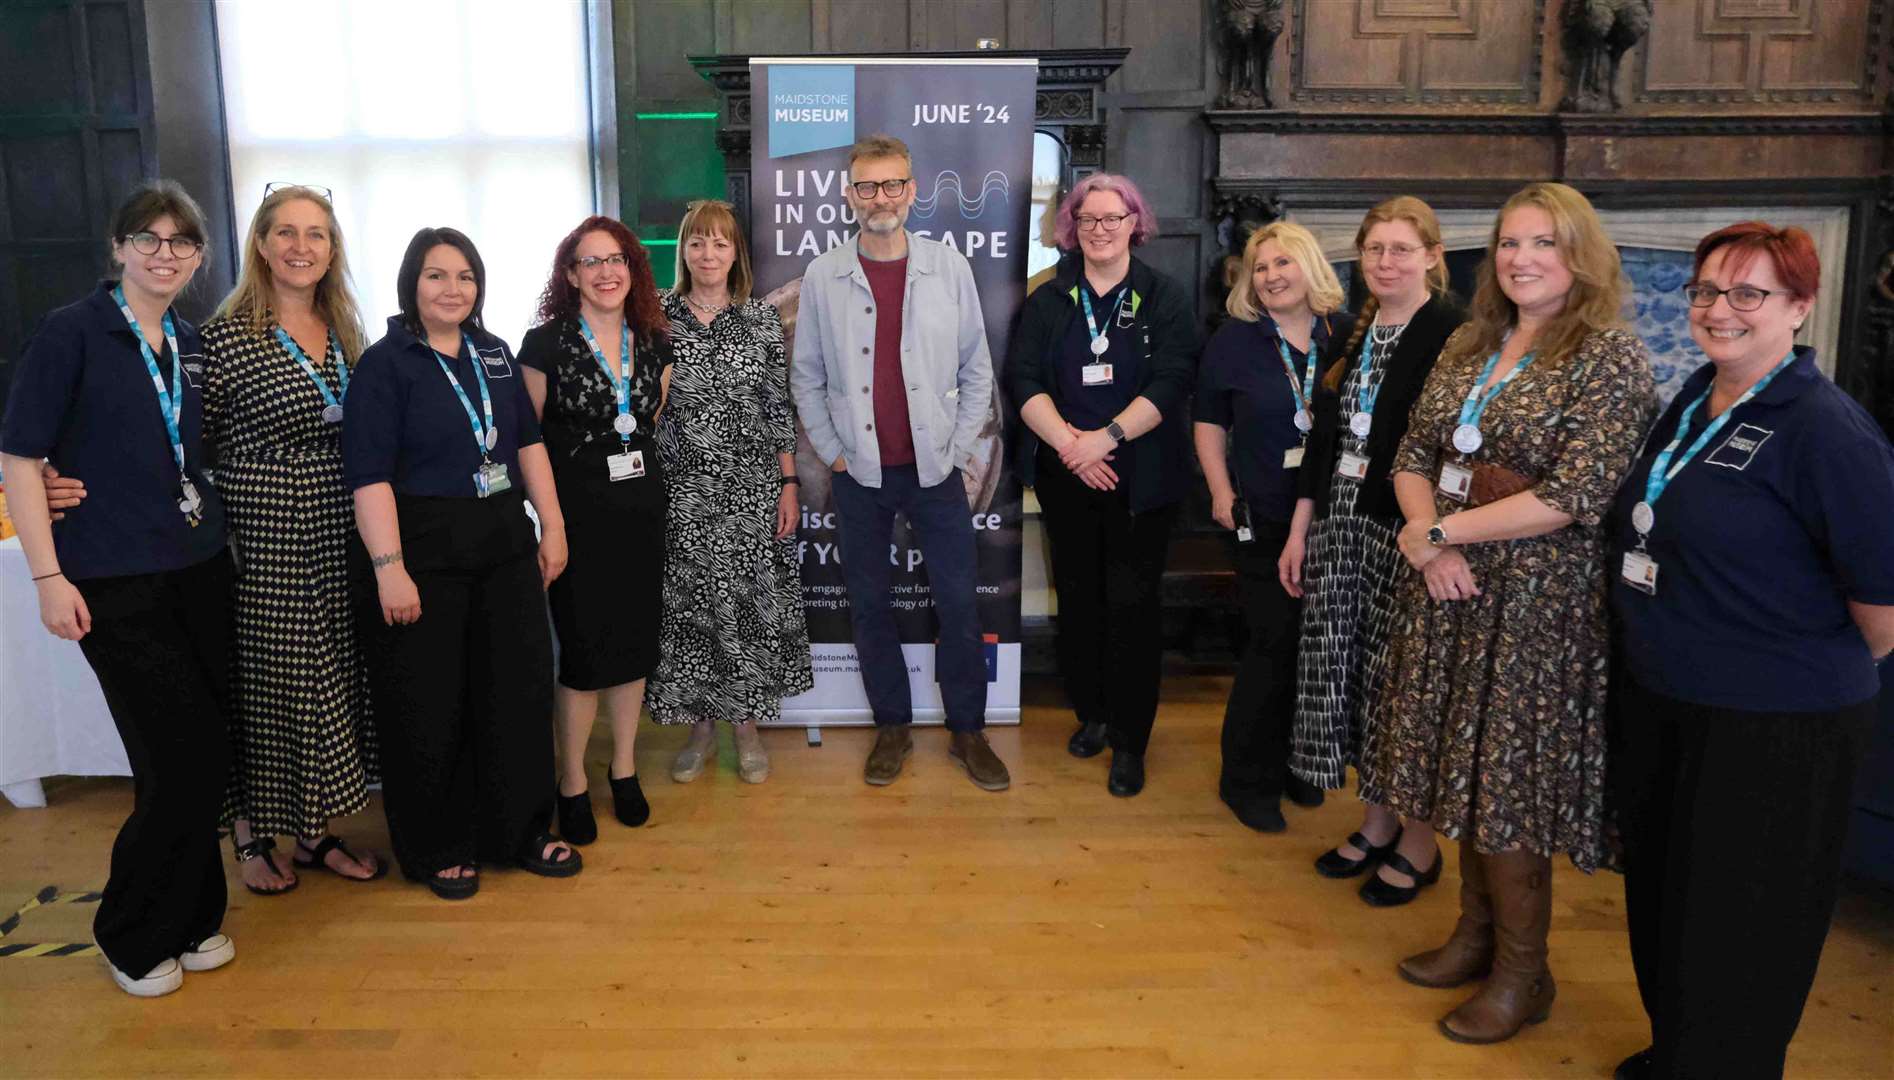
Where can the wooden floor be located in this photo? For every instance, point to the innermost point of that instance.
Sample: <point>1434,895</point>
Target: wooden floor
<point>817,927</point>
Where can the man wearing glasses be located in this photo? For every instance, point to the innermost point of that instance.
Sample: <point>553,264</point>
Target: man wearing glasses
<point>892,380</point>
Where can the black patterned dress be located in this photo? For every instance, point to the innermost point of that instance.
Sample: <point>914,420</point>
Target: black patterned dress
<point>735,641</point>
<point>1352,564</point>
<point>605,605</point>
<point>301,725</point>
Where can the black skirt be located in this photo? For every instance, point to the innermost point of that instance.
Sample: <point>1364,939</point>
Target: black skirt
<point>605,606</point>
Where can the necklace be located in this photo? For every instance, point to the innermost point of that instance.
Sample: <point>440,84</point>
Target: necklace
<point>1383,335</point>
<point>706,308</point>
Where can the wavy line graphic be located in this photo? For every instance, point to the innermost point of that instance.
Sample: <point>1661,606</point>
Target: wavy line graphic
<point>993,183</point>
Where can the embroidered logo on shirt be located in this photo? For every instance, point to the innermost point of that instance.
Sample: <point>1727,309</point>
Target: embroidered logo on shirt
<point>193,367</point>
<point>497,367</point>
<point>1740,448</point>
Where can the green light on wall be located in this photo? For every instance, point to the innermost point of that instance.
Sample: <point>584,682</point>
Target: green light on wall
<point>676,115</point>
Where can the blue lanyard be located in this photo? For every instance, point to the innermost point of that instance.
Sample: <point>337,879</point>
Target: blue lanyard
<point>341,367</point>
<point>1475,405</point>
<point>1364,400</point>
<point>621,387</point>
<point>170,402</point>
<point>1662,471</point>
<point>489,436</point>
<point>1305,391</point>
<point>1091,323</point>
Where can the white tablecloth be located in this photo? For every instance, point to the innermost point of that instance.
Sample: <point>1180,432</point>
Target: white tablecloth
<point>53,720</point>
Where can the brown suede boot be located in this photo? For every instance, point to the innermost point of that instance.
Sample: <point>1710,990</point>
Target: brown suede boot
<point>1520,989</point>
<point>1468,954</point>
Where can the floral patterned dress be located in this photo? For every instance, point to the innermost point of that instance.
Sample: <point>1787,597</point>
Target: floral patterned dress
<point>1494,709</point>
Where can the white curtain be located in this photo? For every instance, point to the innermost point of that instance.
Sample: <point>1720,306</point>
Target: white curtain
<point>467,113</point>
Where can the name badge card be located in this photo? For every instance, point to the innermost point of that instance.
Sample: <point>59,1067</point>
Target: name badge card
<point>625,466</point>
<point>1240,514</point>
<point>491,479</point>
<point>1096,374</point>
<point>1455,481</point>
<point>1640,572</point>
<point>1352,465</point>
<point>1292,457</point>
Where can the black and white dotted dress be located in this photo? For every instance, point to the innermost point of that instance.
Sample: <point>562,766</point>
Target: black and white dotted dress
<point>1351,567</point>
<point>301,724</point>
<point>735,642</point>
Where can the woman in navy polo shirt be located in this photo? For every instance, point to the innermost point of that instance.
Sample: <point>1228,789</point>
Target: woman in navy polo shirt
<point>109,390</point>
<point>1753,581</point>
<point>442,449</point>
<point>1254,391</point>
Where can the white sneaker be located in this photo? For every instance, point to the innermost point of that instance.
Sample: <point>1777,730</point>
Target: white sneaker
<point>209,954</point>
<point>161,980</point>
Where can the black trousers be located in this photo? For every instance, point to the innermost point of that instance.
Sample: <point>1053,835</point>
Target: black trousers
<point>1258,719</point>
<point>160,646</point>
<point>1108,569</point>
<point>1733,823</point>
<point>463,695</point>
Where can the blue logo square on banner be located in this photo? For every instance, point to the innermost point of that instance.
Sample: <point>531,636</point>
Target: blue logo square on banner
<point>811,107</point>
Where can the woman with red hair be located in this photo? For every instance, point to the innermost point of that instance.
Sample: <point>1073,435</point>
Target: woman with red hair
<point>597,367</point>
<point>1753,581</point>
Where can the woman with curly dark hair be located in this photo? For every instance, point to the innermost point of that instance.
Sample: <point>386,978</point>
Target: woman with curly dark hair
<point>597,366</point>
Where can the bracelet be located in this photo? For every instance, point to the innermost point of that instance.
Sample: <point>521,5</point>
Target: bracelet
<point>54,574</point>
<point>791,479</point>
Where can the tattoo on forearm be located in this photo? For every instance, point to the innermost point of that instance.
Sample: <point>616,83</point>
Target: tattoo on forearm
<point>389,559</point>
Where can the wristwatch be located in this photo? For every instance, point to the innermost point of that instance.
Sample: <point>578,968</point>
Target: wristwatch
<point>1436,534</point>
<point>1117,433</point>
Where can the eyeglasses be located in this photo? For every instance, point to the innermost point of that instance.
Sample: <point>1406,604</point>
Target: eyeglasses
<point>1108,222</point>
<point>148,243</point>
<point>275,186</point>
<point>1741,297</point>
<point>865,189</point>
<point>593,262</point>
<point>1398,253</point>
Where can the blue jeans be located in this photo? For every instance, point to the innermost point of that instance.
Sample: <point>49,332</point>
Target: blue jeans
<point>943,527</point>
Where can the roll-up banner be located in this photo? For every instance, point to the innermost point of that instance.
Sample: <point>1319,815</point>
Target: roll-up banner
<point>969,124</point>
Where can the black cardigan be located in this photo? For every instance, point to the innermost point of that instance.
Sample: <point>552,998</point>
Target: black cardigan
<point>1413,358</point>
<point>1166,331</point>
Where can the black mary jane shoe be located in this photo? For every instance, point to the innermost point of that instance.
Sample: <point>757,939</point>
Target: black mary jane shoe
<point>460,888</point>
<point>1378,893</point>
<point>533,858</point>
<point>1638,1066</point>
<point>1127,774</point>
<point>1303,793</point>
<point>1333,864</point>
<point>1089,740</point>
<point>628,802</point>
<point>577,826</point>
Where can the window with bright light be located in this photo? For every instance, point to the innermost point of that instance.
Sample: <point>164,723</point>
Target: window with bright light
<point>466,113</point>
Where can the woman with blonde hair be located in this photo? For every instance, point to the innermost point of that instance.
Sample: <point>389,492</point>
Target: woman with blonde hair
<point>734,639</point>
<point>1284,306</point>
<point>1346,499</point>
<point>1493,727</point>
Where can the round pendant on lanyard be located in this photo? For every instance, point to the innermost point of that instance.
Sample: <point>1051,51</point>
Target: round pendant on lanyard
<point>493,438</point>
<point>1467,438</point>
<point>332,414</point>
<point>1100,344</point>
<point>1643,517</point>
<point>1361,423</point>
<point>191,502</point>
<point>624,424</point>
<point>1304,422</point>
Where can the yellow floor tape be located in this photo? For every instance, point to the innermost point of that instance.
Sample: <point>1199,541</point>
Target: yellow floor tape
<point>46,897</point>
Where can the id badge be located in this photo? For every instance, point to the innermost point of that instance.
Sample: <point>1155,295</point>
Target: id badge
<point>1352,465</point>
<point>1455,481</point>
<point>491,479</point>
<point>1292,457</point>
<point>625,466</point>
<point>1240,514</point>
<point>1640,572</point>
<point>1096,374</point>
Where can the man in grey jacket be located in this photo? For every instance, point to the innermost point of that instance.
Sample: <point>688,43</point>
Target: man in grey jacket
<point>892,381</point>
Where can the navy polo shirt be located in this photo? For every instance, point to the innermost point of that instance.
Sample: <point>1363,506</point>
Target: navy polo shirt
<point>82,398</point>
<point>407,427</point>
<point>1091,407</point>
<point>1760,542</point>
<point>1242,389</point>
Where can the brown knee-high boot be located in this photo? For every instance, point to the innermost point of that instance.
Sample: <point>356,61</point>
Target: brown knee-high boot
<point>1520,989</point>
<point>1468,954</point>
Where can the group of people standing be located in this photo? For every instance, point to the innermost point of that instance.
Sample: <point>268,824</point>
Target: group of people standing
<point>1457,561</point>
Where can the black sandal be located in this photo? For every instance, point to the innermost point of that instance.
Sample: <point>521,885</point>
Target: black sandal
<point>260,847</point>
<point>319,859</point>
<point>1333,864</point>
<point>460,888</point>
<point>533,858</point>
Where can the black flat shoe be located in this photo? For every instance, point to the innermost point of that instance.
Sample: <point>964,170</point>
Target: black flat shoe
<point>1263,815</point>
<point>533,859</point>
<point>460,888</point>
<point>1127,774</point>
<point>1333,864</point>
<point>1089,740</point>
<point>1378,893</point>
<point>577,826</point>
<point>1636,1067</point>
<point>628,801</point>
<point>1303,793</point>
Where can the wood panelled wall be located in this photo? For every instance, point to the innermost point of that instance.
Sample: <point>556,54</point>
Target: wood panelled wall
<point>1154,104</point>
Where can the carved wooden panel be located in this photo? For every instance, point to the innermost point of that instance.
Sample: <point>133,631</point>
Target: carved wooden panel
<point>1485,52</point>
<point>1749,51</point>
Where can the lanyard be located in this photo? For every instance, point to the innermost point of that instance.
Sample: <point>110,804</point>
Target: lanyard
<point>329,399</point>
<point>1302,392</point>
<point>1466,437</point>
<point>1643,515</point>
<point>489,437</point>
<point>1364,399</point>
<point>1099,341</point>
<point>621,387</point>
<point>170,402</point>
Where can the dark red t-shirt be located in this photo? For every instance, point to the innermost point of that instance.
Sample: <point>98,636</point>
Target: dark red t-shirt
<point>888,281</point>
